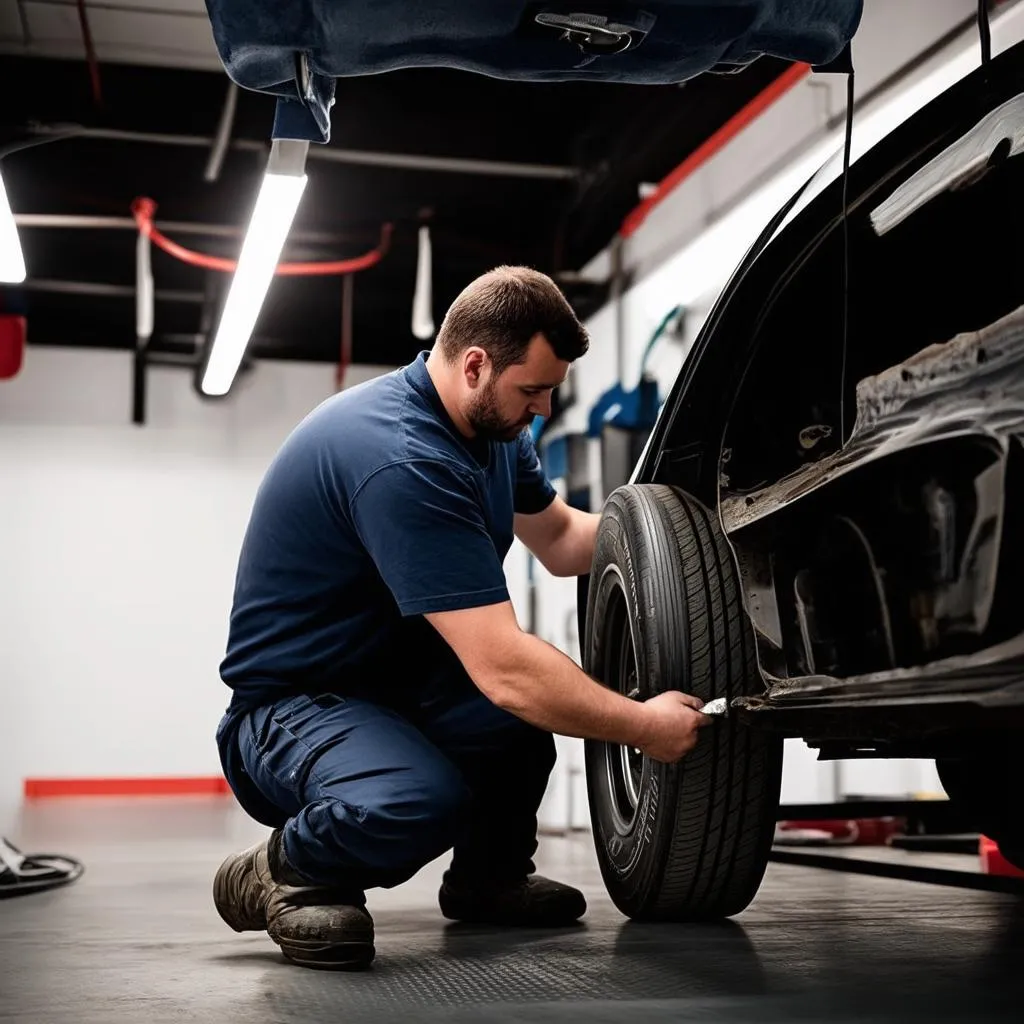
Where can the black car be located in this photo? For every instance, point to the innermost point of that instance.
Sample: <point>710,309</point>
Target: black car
<point>826,524</point>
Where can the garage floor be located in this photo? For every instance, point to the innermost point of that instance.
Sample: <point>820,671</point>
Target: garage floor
<point>136,939</point>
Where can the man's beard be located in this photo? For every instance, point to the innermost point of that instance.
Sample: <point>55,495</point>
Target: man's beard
<point>487,421</point>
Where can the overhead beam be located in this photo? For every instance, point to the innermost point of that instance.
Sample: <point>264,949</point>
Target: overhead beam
<point>174,227</point>
<point>444,164</point>
<point>102,290</point>
<point>170,11</point>
<point>335,154</point>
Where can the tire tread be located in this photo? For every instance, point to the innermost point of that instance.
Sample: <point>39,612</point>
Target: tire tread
<point>727,794</point>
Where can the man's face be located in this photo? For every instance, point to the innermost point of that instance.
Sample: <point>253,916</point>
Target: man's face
<point>502,406</point>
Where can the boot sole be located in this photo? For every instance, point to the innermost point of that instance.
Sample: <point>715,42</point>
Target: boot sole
<point>526,917</point>
<point>228,911</point>
<point>341,956</point>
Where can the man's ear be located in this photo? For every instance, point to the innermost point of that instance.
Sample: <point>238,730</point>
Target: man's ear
<point>474,361</point>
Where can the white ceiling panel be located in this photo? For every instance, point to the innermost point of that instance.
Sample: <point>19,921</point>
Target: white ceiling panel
<point>172,33</point>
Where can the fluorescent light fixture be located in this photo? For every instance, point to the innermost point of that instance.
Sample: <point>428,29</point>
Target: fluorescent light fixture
<point>272,218</point>
<point>422,315</point>
<point>12,262</point>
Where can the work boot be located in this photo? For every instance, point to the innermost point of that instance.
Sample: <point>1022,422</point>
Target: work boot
<point>311,924</point>
<point>536,902</point>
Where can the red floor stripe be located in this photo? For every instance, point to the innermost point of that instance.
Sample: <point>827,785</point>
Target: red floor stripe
<point>154,786</point>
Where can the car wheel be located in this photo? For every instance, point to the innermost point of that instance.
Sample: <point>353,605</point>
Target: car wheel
<point>690,840</point>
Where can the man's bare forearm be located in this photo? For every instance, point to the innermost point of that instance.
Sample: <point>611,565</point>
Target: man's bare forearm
<point>574,551</point>
<point>544,687</point>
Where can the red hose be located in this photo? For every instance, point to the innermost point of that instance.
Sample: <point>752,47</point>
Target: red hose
<point>345,351</point>
<point>144,208</point>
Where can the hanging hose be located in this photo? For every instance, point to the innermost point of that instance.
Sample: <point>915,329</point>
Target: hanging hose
<point>666,320</point>
<point>143,210</point>
<point>984,32</point>
<point>21,873</point>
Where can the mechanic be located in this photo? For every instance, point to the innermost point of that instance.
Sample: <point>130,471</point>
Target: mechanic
<point>386,705</point>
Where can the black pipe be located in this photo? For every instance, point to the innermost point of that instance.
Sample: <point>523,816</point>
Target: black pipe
<point>139,383</point>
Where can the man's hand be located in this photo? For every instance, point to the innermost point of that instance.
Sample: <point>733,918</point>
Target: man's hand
<point>671,724</point>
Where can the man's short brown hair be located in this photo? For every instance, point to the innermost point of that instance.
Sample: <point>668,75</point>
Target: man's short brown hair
<point>502,310</point>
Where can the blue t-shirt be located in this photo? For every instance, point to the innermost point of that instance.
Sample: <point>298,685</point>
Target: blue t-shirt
<point>375,511</point>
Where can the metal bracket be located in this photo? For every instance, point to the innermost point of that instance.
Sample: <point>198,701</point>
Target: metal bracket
<point>288,157</point>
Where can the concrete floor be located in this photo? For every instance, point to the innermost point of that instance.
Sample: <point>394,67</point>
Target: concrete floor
<point>136,939</point>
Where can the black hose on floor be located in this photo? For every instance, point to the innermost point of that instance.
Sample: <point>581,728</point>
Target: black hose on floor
<point>21,873</point>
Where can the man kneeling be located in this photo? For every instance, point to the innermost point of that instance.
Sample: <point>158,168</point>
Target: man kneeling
<point>386,705</point>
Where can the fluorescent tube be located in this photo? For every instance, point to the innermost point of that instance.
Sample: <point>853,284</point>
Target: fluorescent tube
<point>12,262</point>
<point>272,218</point>
<point>422,314</point>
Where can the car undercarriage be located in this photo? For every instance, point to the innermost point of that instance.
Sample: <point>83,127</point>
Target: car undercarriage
<point>885,575</point>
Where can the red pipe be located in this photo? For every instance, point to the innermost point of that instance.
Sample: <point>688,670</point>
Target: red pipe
<point>90,54</point>
<point>144,208</point>
<point>345,351</point>
<point>707,149</point>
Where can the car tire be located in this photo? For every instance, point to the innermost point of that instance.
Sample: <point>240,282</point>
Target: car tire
<point>688,841</point>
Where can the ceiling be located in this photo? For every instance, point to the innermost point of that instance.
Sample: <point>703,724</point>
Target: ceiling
<point>157,72</point>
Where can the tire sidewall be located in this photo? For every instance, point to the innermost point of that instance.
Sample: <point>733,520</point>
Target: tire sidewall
<point>632,855</point>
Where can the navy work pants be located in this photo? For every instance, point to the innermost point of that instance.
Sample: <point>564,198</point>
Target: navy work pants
<point>366,795</point>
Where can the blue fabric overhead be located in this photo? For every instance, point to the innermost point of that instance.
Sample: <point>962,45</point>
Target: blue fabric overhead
<point>295,49</point>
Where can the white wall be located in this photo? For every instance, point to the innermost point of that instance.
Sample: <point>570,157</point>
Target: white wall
<point>118,547</point>
<point>556,623</point>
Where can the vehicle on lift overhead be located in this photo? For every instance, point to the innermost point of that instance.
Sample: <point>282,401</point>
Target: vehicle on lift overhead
<point>826,524</point>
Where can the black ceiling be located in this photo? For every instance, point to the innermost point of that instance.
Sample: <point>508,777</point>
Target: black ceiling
<point>616,135</point>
